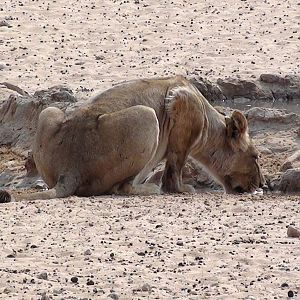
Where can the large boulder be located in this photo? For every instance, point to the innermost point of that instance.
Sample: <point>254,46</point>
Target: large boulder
<point>19,114</point>
<point>290,181</point>
<point>237,88</point>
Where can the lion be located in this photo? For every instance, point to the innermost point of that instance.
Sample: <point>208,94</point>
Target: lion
<point>111,144</point>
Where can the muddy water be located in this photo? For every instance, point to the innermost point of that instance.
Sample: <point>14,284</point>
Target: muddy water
<point>245,104</point>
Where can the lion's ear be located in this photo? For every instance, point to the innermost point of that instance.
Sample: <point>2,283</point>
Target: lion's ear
<point>237,129</point>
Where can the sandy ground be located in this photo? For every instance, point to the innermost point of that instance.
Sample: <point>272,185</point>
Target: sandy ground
<point>92,44</point>
<point>206,246</point>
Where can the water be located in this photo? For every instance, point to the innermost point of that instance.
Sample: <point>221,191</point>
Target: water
<point>245,104</point>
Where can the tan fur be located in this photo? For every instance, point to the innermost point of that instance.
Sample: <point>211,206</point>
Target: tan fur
<point>113,143</point>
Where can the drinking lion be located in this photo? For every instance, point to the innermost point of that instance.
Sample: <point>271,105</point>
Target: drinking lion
<point>114,142</point>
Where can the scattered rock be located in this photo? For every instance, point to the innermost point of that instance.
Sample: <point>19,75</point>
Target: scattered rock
<point>7,290</point>
<point>146,287</point>
<point>45,297</point>
<point>290,294</point>
<point>87,252</point>
<point>74,279</point>
<point>90,282</point>
<point>114,296</point>
<point>4,23</point>
<point>43,276</point>
<point>293,232</point>
<point>2,66</point>
<point>179,243</point>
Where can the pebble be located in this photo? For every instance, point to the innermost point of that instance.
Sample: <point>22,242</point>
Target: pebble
<point>114,296</point>
<point>146,287</point>
<point>5,24</point>
<point>45,297</point>
<point>179,243</point>
<point>74,279</point>
<point>43,276</point>
<point>290,294</point>
<point>293,232</point>
<point>2,66</point>
<point>90,282</point>
<point>87,252</point>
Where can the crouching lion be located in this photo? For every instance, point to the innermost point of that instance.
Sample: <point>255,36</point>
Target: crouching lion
<point>115,141</point>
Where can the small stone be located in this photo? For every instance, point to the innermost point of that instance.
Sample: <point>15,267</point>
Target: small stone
<point>7,290</point>
<point>179,243</point>
<point>293,232</point>
<point>43,276</point>
<point>45,297</point>
<point>5,23</point>
<point>88,252</point>
<point>2,66</point>
<point>74,279</point>
<point>146,287</point>
<point>114,296</point>
<point>90,282</point>
<point>290,294</point>
<point>284,285</point>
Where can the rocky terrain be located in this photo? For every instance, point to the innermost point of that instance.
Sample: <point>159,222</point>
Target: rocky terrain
<point>239,54</point>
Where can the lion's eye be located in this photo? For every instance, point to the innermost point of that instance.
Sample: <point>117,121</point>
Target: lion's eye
<point>256,156</point>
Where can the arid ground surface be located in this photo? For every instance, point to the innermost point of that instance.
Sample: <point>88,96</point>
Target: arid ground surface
<point>203,246</point>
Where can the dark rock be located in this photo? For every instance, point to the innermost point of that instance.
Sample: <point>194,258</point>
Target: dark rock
<point>5,197</point>
<point>114,296</point>
<point>146,287</point>
<point>290,181</point>
<point>179,243</point>
<point>90,282</point>
<point>4,23</point>
<point>43,276</point>
<point>209,90</point>
<point>74,279</point>
<point>290,294</point>
<point>293,232</point>
<point>45,297</point>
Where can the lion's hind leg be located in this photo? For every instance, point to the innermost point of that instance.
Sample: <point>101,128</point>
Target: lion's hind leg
<point>65,186</point>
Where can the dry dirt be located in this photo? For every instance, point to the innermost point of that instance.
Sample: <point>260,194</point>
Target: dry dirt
<point>205,246</point>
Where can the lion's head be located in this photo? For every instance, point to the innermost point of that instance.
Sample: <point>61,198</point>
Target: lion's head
<point>243,172</point>
<point>231,156</point>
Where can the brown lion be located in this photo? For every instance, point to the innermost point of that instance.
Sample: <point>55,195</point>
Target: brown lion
<point>114,142</point>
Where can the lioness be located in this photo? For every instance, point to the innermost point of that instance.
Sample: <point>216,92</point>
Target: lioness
<point>113,143</point>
